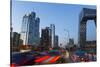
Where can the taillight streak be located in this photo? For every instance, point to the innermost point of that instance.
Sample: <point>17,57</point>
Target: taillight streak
<point>54,59</point>
<point>42,59</point>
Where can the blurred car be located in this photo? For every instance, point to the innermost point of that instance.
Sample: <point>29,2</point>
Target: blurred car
<point>79,56</point>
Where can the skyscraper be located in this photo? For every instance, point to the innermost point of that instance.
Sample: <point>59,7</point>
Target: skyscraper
<point>24,30</point>
<point>16,41</point>
<point>56,41</point>
<point>52,27</point>
<point>30,29</point>
<point>46,38</point>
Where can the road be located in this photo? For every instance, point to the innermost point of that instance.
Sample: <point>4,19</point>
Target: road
<point>39,58</point>
<point>34,58</point>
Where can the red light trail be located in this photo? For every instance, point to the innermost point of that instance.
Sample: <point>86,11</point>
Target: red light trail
<point>42,59</point>
<point>54,59</point>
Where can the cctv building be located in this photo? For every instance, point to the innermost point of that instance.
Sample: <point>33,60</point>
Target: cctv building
<point>85,15</point>
<point>30,29</point>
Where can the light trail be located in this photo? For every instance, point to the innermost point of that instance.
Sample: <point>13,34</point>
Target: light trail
<point>54,59</point>
<point>47,61</point>
<point>42,59</point>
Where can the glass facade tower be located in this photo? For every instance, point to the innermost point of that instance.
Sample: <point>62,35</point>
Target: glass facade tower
<point>52,26</point>
<point>30,29</point>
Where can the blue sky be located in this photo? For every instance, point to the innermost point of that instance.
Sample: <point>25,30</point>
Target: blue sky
<point>64,16</point>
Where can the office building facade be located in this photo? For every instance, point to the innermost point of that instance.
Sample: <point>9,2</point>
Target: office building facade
<point>46,38</point>
<point>56,42</point>
<point>52,27</point>
<point>30,29</point>
<point>16,41</point>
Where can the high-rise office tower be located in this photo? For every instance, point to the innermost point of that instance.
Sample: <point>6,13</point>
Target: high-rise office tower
<point>52,27</point>
<point>56,41</point>
<point>16,38</point>
<point>45,38</point>
<point>24,30</point>
<point>16,41</point>
<point>30,29</point>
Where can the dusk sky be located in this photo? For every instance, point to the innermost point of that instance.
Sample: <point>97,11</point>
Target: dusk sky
<point>64,16</point>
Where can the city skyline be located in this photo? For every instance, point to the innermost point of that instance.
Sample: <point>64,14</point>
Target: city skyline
<point>49,13</point>
<point>52,33</point>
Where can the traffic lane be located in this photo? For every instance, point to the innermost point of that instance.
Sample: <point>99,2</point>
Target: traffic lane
<point>21,59</point>
<point>18,58</point>
<point>50,60</point>
<point>47,61</point>
<point>30,58</point>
